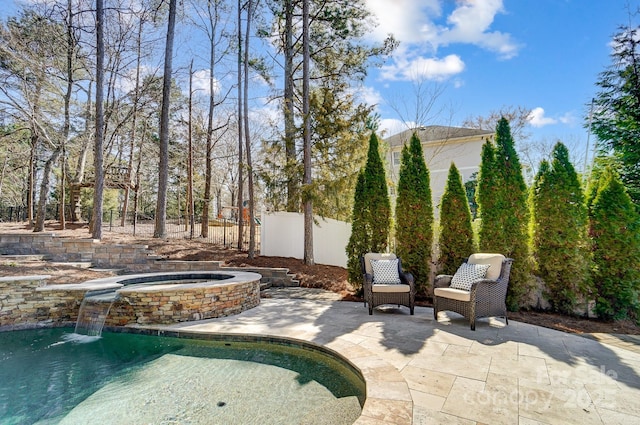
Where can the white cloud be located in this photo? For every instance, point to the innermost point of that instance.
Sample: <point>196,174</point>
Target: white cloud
<point>421,24</point>
<point>537,119</point>
<point>390,126</point>
<point>127,83</point>
<point>470,23</point>
<point>421,68</point>
<point>568,118</point>
<point>407,20</point>
<point>368,95</point>
<point>201,83</point>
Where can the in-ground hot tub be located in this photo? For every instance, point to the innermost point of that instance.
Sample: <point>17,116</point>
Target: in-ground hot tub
<point>164,298</point>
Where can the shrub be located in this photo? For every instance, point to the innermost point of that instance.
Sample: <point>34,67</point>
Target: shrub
<point>615,232</point>
<point>559,238</point>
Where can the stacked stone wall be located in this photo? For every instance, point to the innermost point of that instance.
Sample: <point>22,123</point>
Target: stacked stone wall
<point>24,303</point>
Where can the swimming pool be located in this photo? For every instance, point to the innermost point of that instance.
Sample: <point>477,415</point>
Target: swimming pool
<point>46,377</point>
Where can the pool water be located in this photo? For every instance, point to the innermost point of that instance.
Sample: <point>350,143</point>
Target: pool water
<point>50,376</point>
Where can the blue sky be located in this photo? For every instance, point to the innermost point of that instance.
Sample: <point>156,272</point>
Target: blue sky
<point>544,55</point>
<point>484,55</point>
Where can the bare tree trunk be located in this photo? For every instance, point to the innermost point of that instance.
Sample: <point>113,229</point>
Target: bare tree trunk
<point>190,206</point>
<point>163,181</point>
<point>240,139</point>
<point>206,206</point>
<point>134,122</point>
<point>67,119</point>
<point>32,177</point>
<point>98,153</point>
<point>308,200</point>
<point>289,119</point>
<point>247,135</point>
<point>45,186</point>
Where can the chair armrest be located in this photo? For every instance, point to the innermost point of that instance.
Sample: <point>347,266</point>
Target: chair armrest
<point>407,279</point>
<point>367,279</point>
<point>442,281</point>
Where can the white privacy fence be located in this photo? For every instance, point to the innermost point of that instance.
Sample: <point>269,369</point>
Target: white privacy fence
<point>282,235</point>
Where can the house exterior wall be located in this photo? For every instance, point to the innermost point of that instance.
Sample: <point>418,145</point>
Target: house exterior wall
<point>440,150</point>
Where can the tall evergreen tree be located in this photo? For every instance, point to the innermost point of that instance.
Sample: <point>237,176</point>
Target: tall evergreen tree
<point>371,216</point>
<point>558,221</point>
<point>502,197</point>
<point>414,214</point>
<point>615,233</point>
<point>377,208</point>
<point>456,233</point>
<point>616,117</point>
<point>359,239</point>
<point>489,232</point>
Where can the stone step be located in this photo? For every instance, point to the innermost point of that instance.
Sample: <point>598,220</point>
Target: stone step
<point>76,264</point>
<point>22,258</point>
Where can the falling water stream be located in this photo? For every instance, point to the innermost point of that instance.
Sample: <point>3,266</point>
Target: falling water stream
<point>93,312</point>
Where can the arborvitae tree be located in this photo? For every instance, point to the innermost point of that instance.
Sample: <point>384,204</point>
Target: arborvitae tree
<point>414,215</point>
<point>359,239</point>
<point>559,219</point>
<point>502,196</point>
<point>371,214</point>
<point>456,233</point>
<point>615,233</point>
<point>489,232</point>
<point>377,207</point>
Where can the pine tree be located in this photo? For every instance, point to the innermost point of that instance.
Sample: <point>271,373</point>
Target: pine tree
<point>615,233</point>
<point>414,215</point>
<point>456,233</point>
<point>371,214</point>
<point>616,117</point>
<point>502,197</point>
<point>559,221</point>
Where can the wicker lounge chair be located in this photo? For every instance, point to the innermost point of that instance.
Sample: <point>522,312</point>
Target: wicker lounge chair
<point>486,296</point>
<point>378,290</point>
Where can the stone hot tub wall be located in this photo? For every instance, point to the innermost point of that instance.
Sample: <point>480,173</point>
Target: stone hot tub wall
<point>165,304</point>
<point>24,302</point>
<point>27,302</point>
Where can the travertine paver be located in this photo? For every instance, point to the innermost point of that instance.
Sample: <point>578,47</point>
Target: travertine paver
<point>425,372</point>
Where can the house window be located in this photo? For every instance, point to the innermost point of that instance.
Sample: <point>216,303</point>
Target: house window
<point>395,158</point>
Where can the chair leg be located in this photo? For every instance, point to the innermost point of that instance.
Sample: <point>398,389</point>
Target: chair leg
<point>473,324</point>
<point>411,310</point>
<point>370,310</point>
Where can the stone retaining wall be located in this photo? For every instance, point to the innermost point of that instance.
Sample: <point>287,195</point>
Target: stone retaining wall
<point>23,303</point>
<point>134,258</point>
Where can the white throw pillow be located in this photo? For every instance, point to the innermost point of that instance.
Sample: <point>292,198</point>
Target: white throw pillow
<point>467,274</point>
<point>385,271</point>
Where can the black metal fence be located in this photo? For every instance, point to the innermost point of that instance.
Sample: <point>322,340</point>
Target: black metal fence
<point>220,232</point>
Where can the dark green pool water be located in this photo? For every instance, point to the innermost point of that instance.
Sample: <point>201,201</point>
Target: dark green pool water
<point>133,379</point>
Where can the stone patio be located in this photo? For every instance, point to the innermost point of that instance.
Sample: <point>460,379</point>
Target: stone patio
<point>420,371</point>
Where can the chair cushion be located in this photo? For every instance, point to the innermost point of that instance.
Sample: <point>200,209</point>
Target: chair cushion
<point>494,260</point>
<point>385,271</point>
<point>453,294</point>
<point>467,274</point>
<point>394,288</point>
<point>376,256</point>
